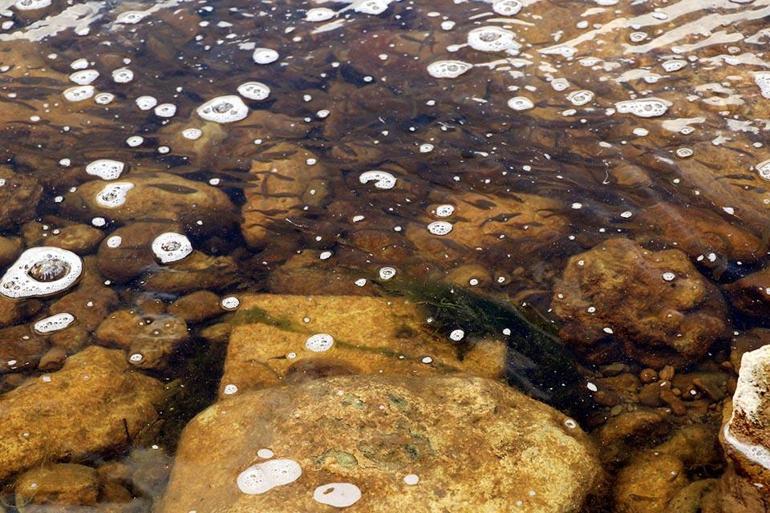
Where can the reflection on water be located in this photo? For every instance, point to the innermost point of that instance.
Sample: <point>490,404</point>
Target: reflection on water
<point>203,201</point>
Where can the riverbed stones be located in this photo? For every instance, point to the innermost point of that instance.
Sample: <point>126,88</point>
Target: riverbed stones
<point>94,404</point>
<point>474,444</point>
<point>153,197</point>
<point>654,304</point>
<point>272,342</point>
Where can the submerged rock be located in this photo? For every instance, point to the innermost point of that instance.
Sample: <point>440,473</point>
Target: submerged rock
<point>153,197</point>
<point>745,437</point>
<point>149,339</point>
<point>94,404</point>
<point>62,483</point>
<point>654,303</point>
<point>197,271</point>
<point>282,338</point>
<point>19,195</point>
<point>751,294</point>
<point>422,444</point>
<point>285,180</point>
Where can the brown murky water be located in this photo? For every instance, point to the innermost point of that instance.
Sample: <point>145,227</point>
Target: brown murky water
<point>572,194</point>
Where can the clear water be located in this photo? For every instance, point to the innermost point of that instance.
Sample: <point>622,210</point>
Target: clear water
<point>448,142</point>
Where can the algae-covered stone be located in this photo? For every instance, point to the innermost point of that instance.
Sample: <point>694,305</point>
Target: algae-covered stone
<point>95,403</point>
<point>275,340</point>
<point>62,483</point>
<point>471,445</point>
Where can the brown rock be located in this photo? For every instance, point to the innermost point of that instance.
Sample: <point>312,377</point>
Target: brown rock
<point>95,403</point>
<point>620,436</point>
<point>149,338</point>
<point>78,238</point>
<point>133,256</point>
<point>467,439</point>
<point>19,195</point>
<point>13,311</point>
<point>10,248</point>
<point>196,307</point>
<point>156,197</point>
<point>371,336</point>
<point>304,274</point>
<point>750,294</point>
<point>62,483</point>
<point>20,349</point>
<point>659,318</point>
<point>745,342</point>
<point>282,183</point>
<point>197,271</point>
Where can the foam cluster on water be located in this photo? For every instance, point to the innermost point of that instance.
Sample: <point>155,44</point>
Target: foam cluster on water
<point>440,227</point>
<point>448,69</point>
<point>254,90</point>
<point>53,323</point>
<point>381,179</point>
<point>106,169</point>
<point>493,39</point>
<point>223,109</point>
<point>644,108</point>
<point>171,247</point>
<point>319,343</point>
<point>337,495</point>
<point>84,77</point>
<point>762,79</point>
<point>507,7</point>
<point>319,14</point>
<point>40,272</point>
<point>263,477</point>
<point>373,7</point>
<point>520,103</point>
<point>79,93</point>
<point>31,5</point>
<point>264,55</point>
<point>114,194</point>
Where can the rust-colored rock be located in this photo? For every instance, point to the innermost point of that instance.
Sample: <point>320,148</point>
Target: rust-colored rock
<point>95,403</point>
<point>62,483</point>
<point>475,444</point>
<point>654,303</point>
<point>19,195</point>
<point>751,294</point>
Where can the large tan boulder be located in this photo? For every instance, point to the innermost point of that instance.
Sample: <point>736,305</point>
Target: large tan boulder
<point>654,304</point>
<point>420,444</point>
<point>95,403</point>
<point>272,343</point>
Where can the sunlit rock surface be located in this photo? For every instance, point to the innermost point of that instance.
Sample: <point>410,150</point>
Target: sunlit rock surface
<point>465,439</point>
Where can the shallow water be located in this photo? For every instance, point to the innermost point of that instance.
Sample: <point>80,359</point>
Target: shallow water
<point>460,154</point>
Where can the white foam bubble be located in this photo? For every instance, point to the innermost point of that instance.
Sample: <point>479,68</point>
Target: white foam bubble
<point>440,227</point>
<point>106,169</point>
<point>373,7</point>
<point>579,98</point>
<point>104,98</point>
<point>165,110</point>
<point>171,247</point>
<point>445,210</point>
<point>264,55</point>
<point>192,133</point>
<point>115,241</point>
<point>114,194</point>
<point>507,7</point>
<point>223,109</point>
<point>122,75</point>
<point>79,93</point>
<point>674,65</point>
<point>254,90</point>
<point>411,479</point>
<point>131,17</point>
<point>762,79</point>
<point>319,14</point>
<point>319,343</point>
<point>230,303</point>
<point>338,495</point>
<point>40,272</point>
<point>265,476</point>
<point>134,141</point>
<point>31,5</point>
<point>763,169</point>
<point>53,323</point>
<point>493,39</point>
<point>146,102</point>
<point>644,108</point>
<point>457,335</point>
<point>386,273</point>
<point>381,179</point>
<point>448,69</point>
<point>519,103</point>
<point>84,77</point>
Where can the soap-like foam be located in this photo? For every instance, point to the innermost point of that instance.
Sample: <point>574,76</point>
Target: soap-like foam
<point>381,179</point>
<point>263,477</point>
<point>254,90</point>
<point>644,108</point>
<point>224,109</point>
<point>40,272</point>
<point>106,169</point>
<point>53,323</point>
<point>338,495</point>
<point>171,247</point>
<point>113,195</point>
<point>448,69</point>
